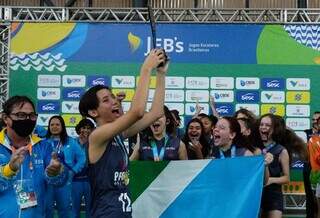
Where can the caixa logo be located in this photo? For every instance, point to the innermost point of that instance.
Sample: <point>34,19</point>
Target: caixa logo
<point>72,93</point>
<point>98,80</point>
<point>168,44</point>
<point>248,97</point>
<point>48,106</point>
<point>272,83</point>
<point>225,109</point>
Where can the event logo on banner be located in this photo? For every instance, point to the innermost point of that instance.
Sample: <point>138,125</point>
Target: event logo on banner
<point>48,106</point>
<point>73,81</point>
<point>222,95</point>
<point>222,82</point>
<point>98,80</point>
<point>247,96</point>
<point>247,83</point>
<point>72,93</point>
<point>48,93</point>
<point>225,109</point>
<point>298,84</point>
<point>272,83</point>
<point>49,80</point>
<point>123,81</point>
<point>191,108</point>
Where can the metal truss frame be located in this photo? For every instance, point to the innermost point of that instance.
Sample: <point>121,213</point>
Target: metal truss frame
<point>4,62</point>
<point>168,15</point>
<point>294,201</point>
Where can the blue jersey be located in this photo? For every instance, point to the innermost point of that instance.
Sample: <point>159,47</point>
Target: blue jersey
<point>31,175</point>
<point>109,179</point>
<point>169,145</point>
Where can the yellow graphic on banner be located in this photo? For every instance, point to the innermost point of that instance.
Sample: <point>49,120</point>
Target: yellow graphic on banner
<point>71,119</point>
<point>277,109</point>
<point>134,42</point>
<point>153,82</point>
<point>129,93</point>
<point>298,97</point>
<point>42,36</point>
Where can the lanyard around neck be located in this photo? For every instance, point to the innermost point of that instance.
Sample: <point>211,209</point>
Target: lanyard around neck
<point>268,147</point>
<point>158,156</point>
<point>233,152</point>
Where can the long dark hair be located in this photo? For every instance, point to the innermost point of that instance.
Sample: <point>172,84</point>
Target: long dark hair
<point>63,135</point>
<point>202,139</point>
<point>278,127</point>
<point>252,140</point>
<point>234,127</point>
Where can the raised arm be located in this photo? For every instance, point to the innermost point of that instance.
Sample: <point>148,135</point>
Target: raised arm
<point>156,108</point>
<point>213,107</point>
<point>106,130</point>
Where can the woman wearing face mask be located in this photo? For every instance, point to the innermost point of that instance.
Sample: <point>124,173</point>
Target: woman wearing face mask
<point>195,141</point>
<point>161,145</point>
<point>272,132</point>
<point>228,139</point>
<point>73,158</point>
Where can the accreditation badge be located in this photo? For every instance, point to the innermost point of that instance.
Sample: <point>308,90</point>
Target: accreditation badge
<point>25,193</point>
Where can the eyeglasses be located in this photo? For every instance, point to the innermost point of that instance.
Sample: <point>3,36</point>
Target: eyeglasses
<point>24,116</point>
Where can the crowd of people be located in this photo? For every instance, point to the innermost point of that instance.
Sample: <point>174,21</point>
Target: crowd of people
<point>37,174</point>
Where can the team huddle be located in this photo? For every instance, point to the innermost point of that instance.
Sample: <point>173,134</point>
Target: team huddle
<point>37,174</point>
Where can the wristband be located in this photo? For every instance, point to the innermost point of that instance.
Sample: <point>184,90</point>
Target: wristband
<point>8,172</point>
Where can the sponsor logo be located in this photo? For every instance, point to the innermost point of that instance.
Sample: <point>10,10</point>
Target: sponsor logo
<point>197,95</point>
<point>48,93</point>
<point>72,93</point>
<point>71,119</point>
<point>174,82</point>
<point>134,42</point>
<point>48,106</point>
<point>174,95</point>
<point>123,81</point>
<point>225,109</point>
<point>247,83</point>
<point>298,97</point>
<point>247,97</point>
<point>98,80</point>
<point>73,80</point>
<point>222,82</point>
<point>125,106</point>
<point>170,45</point>
<point>70,107</point>
<point>222,95</point>
<point>177,106</point>
<point>298,84</point>
<point>49,80</point>
<point>298,123</point>
<point>43,119</point>
<point>191,108</point>
<point>129,93</point>
<point>251,107</point>
<point>197,83</point>
<point>272,97</point>
<point>277,109</point>
<point>298,110</point>
<point>272,83</point>
<point>152,82</point>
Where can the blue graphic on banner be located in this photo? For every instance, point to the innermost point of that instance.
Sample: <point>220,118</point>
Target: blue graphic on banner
<point>243,174</point>
<point>273,83</point>
<point>98,80</point>
<point>225,109</point>
<point>48,106</point>
<point>247,96</point>
<point>191,43</point>
<point>72,93</point>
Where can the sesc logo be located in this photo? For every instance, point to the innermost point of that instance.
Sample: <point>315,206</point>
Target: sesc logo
<point>48,93</point>
<point>272,83</point>
<point>225,109</point>
<point>247,83</point>
<point>247,97</point>
<point>48,106</point>
<point>98,80</point>
<point>72,93</point>
<point>73,80</point>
